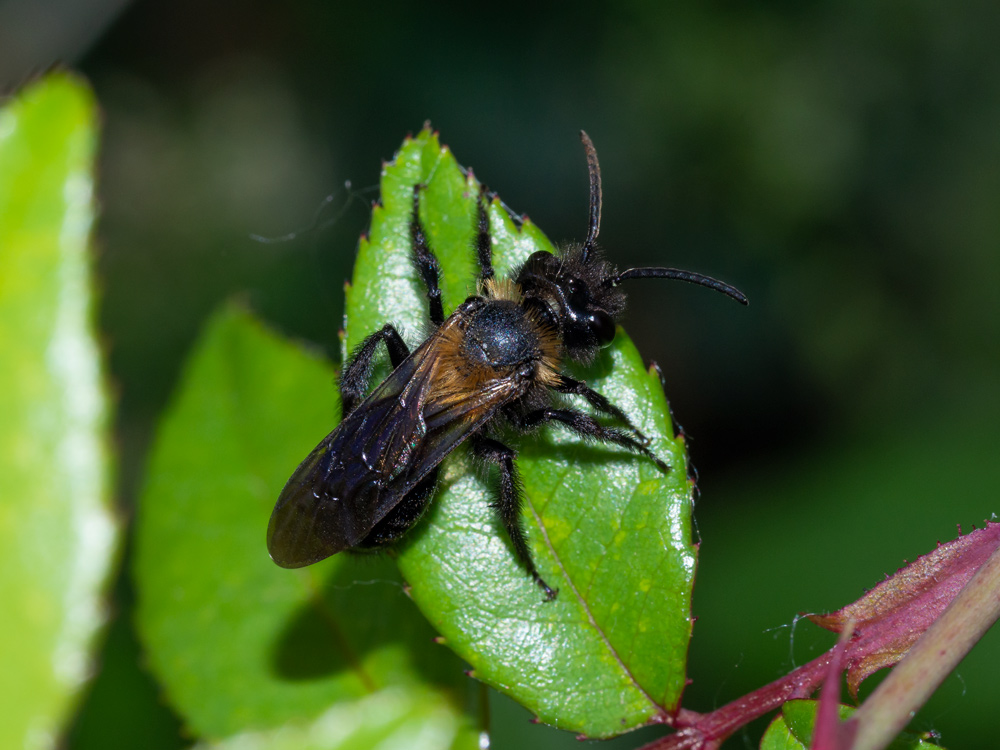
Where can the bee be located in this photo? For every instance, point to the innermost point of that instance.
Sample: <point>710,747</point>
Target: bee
<point>496,360</point>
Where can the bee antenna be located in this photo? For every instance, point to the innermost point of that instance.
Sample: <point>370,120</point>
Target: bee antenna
<point>676,273</point>
<point>594,168</point>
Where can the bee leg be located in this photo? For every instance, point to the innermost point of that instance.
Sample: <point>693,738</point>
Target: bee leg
<point>600,403</point>
<point>588,427</point>
<point>484,241</point>
<point>427,265</point>
<point>356,375</point>
<point>508,503</point>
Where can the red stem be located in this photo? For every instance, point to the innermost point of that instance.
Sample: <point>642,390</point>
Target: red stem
<point>697,731</point>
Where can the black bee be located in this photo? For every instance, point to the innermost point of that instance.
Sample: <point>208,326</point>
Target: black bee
<point>495,359</point>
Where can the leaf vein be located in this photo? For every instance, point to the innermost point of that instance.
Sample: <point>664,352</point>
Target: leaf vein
<point>586,607</point>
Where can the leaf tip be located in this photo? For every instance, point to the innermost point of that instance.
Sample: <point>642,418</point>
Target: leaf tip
<point>654,369</point>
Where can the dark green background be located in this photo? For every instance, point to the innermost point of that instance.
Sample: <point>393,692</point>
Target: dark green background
<point>837,161</point>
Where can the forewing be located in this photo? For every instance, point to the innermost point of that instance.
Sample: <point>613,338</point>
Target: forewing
<point>311,521</point>
<point>427,424</point>
<point>343,487</point>
<point>391,441</point>
<point>452,421</point>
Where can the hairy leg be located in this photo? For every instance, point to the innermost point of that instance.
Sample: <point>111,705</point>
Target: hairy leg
<point>427,265</point>
<point>508,502</point>
<point>356,375</point>
<point>484,241</point>
<point>588,427</point>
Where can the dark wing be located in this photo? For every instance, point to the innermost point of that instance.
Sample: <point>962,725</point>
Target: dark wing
<point>333,499</point>
<point>362,469</point>
<point>450,421</point>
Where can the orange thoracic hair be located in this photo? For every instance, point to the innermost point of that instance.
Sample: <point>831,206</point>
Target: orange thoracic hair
<point>457,377</point>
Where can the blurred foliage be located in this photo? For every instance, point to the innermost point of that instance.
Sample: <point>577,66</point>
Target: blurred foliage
<point>238,643</point>
<point>57,532</point>
<point>793,727</point>
<point>836,161</point>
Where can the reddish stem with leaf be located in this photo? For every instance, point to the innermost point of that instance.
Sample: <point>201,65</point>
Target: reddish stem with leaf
<point>955,589</point>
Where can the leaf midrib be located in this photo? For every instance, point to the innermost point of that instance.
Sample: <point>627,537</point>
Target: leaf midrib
<point>584,604</point>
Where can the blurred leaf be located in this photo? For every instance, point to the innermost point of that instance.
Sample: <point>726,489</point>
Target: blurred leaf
<point>239,643</point>
<point>124,695</point>
<point>57,534</point>
<point>387,720</point>
<point>792,729</point>
<point>607,528</point>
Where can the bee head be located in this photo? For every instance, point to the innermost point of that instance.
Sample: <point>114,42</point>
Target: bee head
<point>570,289</point>
<point>570,292</point>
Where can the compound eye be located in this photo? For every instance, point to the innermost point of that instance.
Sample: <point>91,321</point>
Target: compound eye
<point>602,327</point>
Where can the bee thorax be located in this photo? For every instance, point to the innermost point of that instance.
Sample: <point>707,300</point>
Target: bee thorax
<point>499,335</point>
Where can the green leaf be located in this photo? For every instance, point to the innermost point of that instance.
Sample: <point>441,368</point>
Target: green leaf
<point>608,528</point>
<point>389,719</point>
<point>792,729</point>
<point>239,643</point>
<point>779,737</point>
<point>57,532</point>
